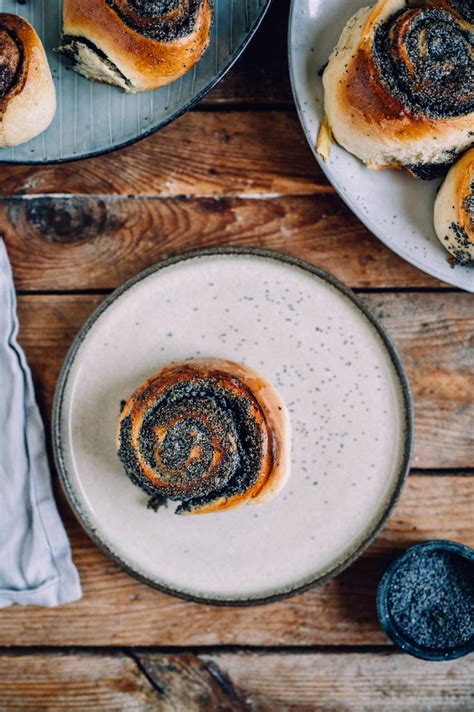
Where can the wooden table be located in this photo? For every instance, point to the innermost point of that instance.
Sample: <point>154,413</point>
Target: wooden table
<point>235,171</point>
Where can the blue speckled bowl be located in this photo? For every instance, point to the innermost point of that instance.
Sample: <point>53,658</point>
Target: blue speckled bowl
<point>389,625</point>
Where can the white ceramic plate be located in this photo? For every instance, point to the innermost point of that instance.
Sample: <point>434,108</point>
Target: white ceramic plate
<point>94,118</point>
<point>397,208</point>
<point>339,375</point>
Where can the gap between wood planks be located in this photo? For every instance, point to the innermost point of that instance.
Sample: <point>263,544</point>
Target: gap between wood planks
<point>164,197</point>
<point>19,650</point>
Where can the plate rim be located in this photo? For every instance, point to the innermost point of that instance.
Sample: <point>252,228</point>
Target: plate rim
<point>317,272</point>
<point>351,204</point>
<point>217,77</point>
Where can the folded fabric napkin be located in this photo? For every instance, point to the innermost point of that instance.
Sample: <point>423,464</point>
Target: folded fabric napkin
<point>35,558</point>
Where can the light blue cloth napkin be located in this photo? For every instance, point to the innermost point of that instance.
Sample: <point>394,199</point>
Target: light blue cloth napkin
<point>35,558</point>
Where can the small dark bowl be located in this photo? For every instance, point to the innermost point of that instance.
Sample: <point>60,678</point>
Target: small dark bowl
<point>389,625</point>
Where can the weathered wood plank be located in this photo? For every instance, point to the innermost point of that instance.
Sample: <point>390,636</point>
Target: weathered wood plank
<point>202,153</point>
<point>74,682</point>
<point>87,242</point>
<point>260,76</point>
<point>117,610</point>
<point>233,682</point>
<point>433,332</point>
<point>321,682</point>
<point>435,337</point>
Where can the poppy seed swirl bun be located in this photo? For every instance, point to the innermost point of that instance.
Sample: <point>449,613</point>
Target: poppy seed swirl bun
<point>27,94</point>
<point>209,433</point>
<point>136,44</point>
<point>454,210</point>
<point>399,86</point>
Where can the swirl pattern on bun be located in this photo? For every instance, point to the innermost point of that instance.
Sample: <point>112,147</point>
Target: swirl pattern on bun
<point>209,433</point>
<point>454,210</point>
<point>27,94</point>
<point>136,44</point>
<point>399,86</point>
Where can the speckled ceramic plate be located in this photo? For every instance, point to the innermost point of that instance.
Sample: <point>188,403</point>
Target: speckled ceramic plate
<point>397,208</point>
<point>94,118</point>
<point>342,381</point>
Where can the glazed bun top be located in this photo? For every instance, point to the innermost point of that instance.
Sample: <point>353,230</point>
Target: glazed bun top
<point>210,433</point>
<point>454,210</point>
<point>135,44</point>
<point>27,93</point>
<point>399,87</point>
<point>10,59</point>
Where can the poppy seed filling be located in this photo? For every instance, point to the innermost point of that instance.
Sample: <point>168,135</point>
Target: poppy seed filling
<point>200,439</point>
<point>465,8</point>
<point>11,60</point>
<point>438,79</point>
<point>153,8</point>
<point>160,20</point>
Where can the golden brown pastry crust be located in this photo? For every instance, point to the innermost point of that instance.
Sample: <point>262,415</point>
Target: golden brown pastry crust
<point>27,93</point>
<point>454,210</point>
<point>144,62</point>
<point>263,435</point>
<point>368,110</point>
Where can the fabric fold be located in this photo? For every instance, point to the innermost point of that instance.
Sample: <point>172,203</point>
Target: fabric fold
<point>35,558</point>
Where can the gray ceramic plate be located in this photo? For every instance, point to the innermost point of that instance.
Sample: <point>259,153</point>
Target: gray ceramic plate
<point>94,118</point>
<point>341,379</point>
<point>397,208</point>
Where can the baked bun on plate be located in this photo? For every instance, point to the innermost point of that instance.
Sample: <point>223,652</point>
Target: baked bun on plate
<point>209,433</point>
<point>27,94</point>
<point>454,210</point>
<point>136,44</point>
<point>399,86</point>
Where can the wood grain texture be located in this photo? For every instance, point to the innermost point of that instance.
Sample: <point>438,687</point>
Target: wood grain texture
<point>435,338</point>
<point>117,610</point>
<point>86,242</point>
<point>349,682</point>
<point>241,178</point>
<point>245,682</point>
<point>260,76</point>
<point>73,682</point>
<point>434,333</point>
<point>202,153</point>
